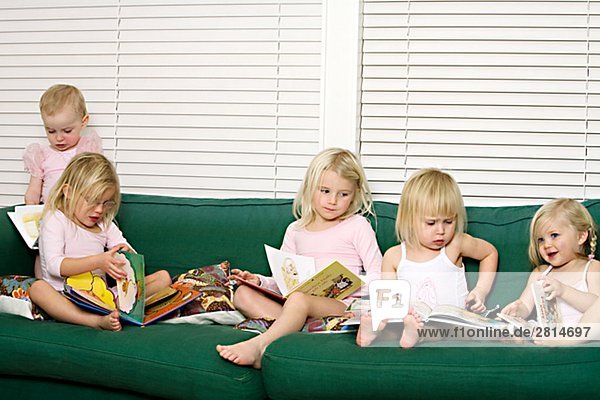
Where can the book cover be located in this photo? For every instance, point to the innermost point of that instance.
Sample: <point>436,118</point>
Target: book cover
<point>91,292</point>
<point>27,221</point>
<point>297,273</point>
<point>548,312</point>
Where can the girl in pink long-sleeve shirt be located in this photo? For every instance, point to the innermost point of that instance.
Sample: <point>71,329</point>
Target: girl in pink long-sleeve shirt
<point>76,230</point>
<point>330,226</point>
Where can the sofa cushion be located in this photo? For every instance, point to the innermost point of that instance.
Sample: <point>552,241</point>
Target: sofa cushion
<point>216,292</point>
<point>304,365</point>
<point>162,360</point>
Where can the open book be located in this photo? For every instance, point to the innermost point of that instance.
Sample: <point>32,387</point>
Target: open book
<point>27,221</point>
<point>90,291</point>
<point>294,273</point>
<point>455,315</point>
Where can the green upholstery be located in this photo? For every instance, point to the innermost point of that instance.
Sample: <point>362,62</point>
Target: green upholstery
<point>50,359</point>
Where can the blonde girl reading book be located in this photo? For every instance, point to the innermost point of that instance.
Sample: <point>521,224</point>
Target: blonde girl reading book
<point>78,235</point>
<point>330,226</point>
<point>431,226</point>
<point>65,116</point>
<point>562,245</point>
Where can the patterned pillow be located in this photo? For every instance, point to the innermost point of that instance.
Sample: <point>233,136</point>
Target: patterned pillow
<point>17,287</point>
<point>216,292</point>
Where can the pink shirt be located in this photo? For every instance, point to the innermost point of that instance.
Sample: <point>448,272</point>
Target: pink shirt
<point>42,161</point>
<point>60,238</point>
<point>352,242</point>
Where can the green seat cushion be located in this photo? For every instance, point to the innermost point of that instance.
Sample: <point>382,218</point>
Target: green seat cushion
<point>320,366</point>
<point>163,360</point>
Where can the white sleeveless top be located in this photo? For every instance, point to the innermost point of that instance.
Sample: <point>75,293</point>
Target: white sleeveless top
<point>569,314</point>
<point>437,281</point>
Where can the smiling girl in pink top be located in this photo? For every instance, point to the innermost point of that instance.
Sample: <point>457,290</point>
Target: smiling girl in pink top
<point>330,226</point>
<point>65,116</point>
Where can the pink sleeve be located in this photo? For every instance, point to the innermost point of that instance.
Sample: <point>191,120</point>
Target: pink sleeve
<point>289,239</point>
<point>114,236</point>
<point>368,249</point>
<point>52,248</point>
<point>90,142</point>
<point>33,158</point>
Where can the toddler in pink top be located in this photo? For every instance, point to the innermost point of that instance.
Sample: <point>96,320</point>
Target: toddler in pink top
<point>65,115</point>
<point>330,226</point>
<point>78,236</point>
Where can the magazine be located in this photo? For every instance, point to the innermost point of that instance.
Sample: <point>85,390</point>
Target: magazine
<point>294,273</point>
<point>90,291</point>
<point>27,221</point>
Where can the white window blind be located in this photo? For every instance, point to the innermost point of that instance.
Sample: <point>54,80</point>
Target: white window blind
<point>504,95</point>
<point>192,98</point>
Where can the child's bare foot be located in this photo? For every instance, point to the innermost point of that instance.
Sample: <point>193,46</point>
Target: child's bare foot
<point>412,324</point>
<point>249,352</point>
<point>366,334</point>
<point>110,322</point>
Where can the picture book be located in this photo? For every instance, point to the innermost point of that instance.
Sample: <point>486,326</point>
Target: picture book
<point>548,312</point>
<point>294,273</point>
<point>90,291</point>
<point>27,221</point>
<point>455,315</point>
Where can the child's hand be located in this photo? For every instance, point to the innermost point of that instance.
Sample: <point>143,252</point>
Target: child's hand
<point>124,247</point>
<point>108,263</point>
<point>245,275</point>
<point>475,301</point>
<point>552,287</point>
<point>515,309</point>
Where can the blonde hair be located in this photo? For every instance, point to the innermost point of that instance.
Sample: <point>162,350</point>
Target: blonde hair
<point>428,192</point>
<point>574,213</point>
<point>87,176</point>
<point>345,164</point>
<point>58,96</point>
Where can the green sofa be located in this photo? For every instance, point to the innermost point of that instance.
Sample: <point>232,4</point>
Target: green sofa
<point>52,360</point>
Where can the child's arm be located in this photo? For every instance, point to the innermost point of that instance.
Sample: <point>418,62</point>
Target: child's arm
<point>486,253</point>
<point>576,298</point>
<point>34,191</point>
<point>390,262</point>
<point>523,306</point>
<point>104,261</point>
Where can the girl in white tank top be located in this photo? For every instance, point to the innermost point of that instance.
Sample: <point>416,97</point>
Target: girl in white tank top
<point>430,226</point>
<point>562,234</point>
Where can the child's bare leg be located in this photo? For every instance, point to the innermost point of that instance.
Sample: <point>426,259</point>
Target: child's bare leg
<point>296,309</point>
<point>156,282</point>
<point>412,324</point>
<point>61,309</point>
<point>366,334</point>
<point>253,304</point>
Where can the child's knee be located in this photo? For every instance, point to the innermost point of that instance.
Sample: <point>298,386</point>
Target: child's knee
<point>37,289</point>
<point>243,297</point>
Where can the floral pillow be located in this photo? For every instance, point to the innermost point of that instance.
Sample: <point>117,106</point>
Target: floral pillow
<point>14,297</point>
<point>216,292</point>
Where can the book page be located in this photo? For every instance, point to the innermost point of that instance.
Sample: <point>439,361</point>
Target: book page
<point>289,269</point>
<point>334,281</point>
<point>131,290</point>
<point>27,221</point>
